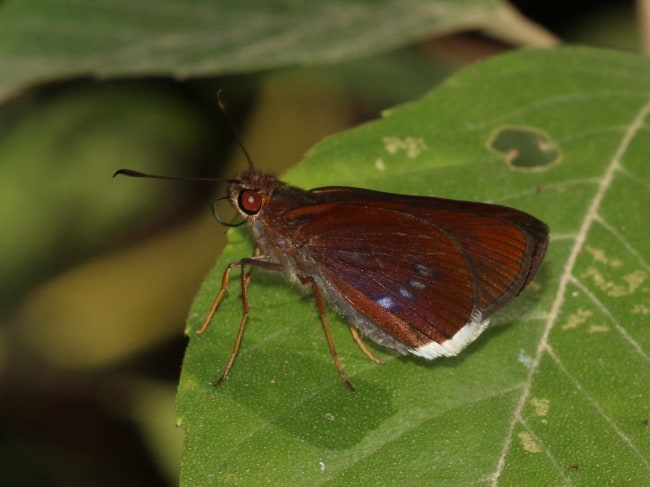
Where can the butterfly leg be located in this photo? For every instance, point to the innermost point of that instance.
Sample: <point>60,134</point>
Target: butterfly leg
<point>225,280</point>
<point>328,334</point>
<point>245,280</point>
<point>364,349</point>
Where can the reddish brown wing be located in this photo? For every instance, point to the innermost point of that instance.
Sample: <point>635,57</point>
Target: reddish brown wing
<point>418,267</point>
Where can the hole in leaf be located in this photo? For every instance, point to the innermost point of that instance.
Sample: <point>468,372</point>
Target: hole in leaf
<point>524,147</point>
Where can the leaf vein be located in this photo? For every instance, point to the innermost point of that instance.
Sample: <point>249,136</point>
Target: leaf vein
<point>581,238</point>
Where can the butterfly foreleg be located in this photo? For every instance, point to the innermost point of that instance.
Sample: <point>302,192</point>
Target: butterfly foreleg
<point>245,278</point>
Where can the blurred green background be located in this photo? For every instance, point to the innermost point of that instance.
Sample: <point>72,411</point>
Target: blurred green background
<point>98,273</point>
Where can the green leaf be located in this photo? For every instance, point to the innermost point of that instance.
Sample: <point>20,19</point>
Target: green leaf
<point>45,40</point>
<point>555,392</point>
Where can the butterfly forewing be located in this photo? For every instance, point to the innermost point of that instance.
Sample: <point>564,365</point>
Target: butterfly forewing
<point>399,284</point>
<point>410,267</point>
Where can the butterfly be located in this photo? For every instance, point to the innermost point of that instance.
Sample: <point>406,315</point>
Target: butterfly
<point>421,275</point>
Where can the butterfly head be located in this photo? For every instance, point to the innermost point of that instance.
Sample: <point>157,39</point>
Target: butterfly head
<point>251,192</point>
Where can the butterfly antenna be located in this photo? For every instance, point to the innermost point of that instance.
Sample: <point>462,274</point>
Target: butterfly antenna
<point>138,174</point>
<point>224,109</point>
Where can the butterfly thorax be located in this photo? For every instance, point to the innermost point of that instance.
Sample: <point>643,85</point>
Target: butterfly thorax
<point>263,201</point>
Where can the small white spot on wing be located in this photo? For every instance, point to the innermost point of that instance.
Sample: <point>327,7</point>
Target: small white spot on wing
<point>424,270</point>
<point>417,284</point>
<point>405,293</point>
<point>386,302</point>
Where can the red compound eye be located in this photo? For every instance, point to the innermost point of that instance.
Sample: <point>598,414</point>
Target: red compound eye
<point>250,201</point>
